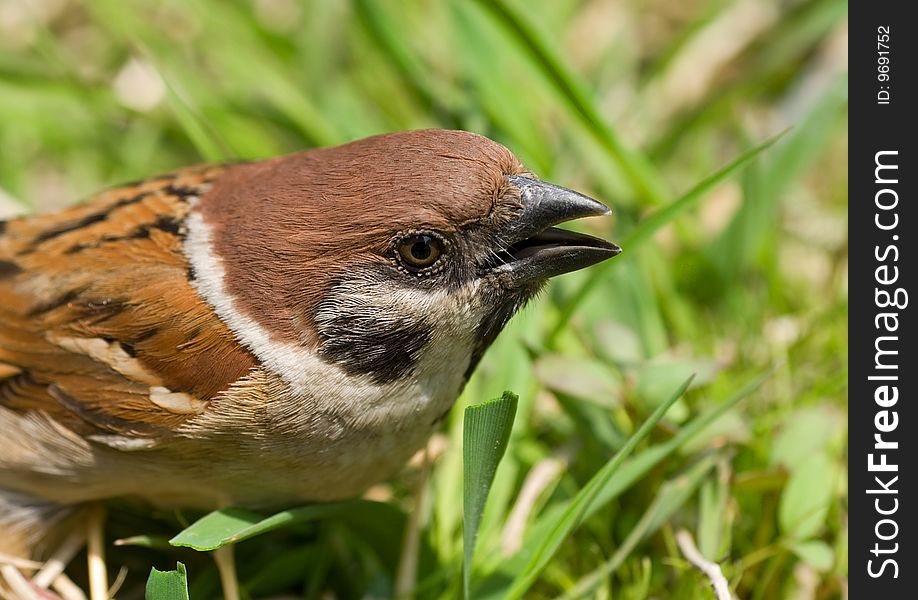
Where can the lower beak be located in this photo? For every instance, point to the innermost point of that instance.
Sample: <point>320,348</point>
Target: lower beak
<point>539,250</point>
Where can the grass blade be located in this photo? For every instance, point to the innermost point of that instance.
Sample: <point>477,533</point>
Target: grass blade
<point>637,467</point>
<point>672,495</point>
<point>389,35</point>
<point>649,226</point>
<point>631,471</point>
<point>167,585</point>
<point>485,436</point>
<point>230,525</point>
<point>752,228</point>
<point>202,137</point>
<point>646,228</point>
<point>573,515</point>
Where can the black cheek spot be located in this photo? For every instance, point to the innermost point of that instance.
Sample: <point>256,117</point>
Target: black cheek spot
<point>384,349</point>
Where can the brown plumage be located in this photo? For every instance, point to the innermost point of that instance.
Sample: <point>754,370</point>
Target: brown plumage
<point>266,333</point>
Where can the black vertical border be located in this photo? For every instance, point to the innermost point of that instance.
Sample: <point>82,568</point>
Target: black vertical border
<point>873,128</point>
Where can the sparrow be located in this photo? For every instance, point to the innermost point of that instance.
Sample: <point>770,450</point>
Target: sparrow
<point>266,333</point>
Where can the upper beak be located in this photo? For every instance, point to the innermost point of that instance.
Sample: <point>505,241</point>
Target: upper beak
<point>538,250</point>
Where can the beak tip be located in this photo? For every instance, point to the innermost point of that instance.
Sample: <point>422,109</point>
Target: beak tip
<point>599,209</point>
<point>613,249</point>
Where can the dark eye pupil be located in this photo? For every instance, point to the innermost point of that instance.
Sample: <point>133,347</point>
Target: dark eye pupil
<point>421,249</point>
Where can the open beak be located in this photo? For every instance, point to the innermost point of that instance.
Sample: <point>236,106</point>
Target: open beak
<point>538,250</point>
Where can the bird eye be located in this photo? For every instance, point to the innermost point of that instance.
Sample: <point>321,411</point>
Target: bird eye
<point>419,251</point>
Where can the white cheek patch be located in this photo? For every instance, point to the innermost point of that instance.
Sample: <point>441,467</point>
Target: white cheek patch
<point>457,315</point>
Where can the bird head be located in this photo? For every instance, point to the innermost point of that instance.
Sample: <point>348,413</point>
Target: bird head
<point>386,254</point>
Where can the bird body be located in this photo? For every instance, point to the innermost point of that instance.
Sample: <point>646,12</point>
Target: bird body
<point>264,333</point>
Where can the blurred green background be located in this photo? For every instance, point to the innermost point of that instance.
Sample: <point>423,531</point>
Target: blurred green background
<point>735,262</point>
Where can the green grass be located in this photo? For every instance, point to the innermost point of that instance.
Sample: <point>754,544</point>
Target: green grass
<point>734,265</point>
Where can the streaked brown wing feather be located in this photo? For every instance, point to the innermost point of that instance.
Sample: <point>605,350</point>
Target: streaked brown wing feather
<point>99,324</point>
